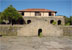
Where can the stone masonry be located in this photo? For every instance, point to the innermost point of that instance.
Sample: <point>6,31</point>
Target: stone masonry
<point>32,29</point>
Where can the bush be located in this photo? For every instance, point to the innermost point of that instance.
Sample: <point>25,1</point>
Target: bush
<point>0,20</point>
<point>40,35</point>
<point>54,23</point>
<point>67,24</point>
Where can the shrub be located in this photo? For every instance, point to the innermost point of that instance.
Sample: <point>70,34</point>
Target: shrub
<point>40,35</point>
<point>67,24</point>
<point>54,23</point>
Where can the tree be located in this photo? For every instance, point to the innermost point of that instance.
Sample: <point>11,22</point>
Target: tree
<point>67,20</point>
<point>10,14</point>
<point>0,18</point>
<point>0,13</point>
<point>71,20</point>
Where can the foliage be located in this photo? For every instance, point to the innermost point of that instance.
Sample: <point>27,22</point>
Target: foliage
<point>10,14</point>
<point>40,35</point>
<point>54,23</point>
<point>68,20</point>
<point>1,21</point>
<point>71,20</point>
<point>67,24</point>
<point>0,18</point>
<point>0,13</point>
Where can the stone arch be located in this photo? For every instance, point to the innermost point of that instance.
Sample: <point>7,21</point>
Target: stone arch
<point>39,31</point>
<point>20,21</point>
<point>51,21</point>
<point>28,21</point>
<point>59,22</point>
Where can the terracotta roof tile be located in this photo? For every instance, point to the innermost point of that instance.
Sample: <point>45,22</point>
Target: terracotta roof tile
<point>42,10</point>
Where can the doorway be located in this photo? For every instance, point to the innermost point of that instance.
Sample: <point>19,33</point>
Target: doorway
<point>39,32</point>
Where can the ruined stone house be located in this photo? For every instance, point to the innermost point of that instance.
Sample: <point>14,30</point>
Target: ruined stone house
<point>40,21</point>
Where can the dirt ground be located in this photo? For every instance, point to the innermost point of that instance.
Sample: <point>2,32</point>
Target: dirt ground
<point>35,43</point>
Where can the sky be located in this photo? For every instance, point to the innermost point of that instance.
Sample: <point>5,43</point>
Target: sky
<point>63,7</point>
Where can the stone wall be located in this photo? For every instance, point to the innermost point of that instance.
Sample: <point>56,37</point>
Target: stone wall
<point>67,30</point>
<point>33,29</point>
<point>9,30</point>
<point>12,30</point>
<point>46,19</point>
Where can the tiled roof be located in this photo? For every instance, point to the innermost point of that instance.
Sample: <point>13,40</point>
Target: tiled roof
<point>42,10</point>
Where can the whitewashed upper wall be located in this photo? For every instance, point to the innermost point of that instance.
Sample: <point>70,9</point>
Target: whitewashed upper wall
<point>46,14</point>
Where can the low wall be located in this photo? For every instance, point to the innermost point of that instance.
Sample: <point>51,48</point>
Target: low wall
<point>67,30</point>
<point>10,30</point>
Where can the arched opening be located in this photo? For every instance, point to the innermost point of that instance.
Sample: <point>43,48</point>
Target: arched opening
<point>21,21</point>
<point>51,21</point>
<point>3,23</point>
<point>28,21</point>
<point>59,22</point>
<point>14,21</point>
<point>39,32</point>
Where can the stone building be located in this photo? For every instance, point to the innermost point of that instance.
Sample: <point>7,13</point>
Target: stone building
<point>40,21</point>
<point>31,15</point>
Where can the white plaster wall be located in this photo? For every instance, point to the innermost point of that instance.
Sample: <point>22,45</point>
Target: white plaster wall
<point>54,14</point>
<point>45,13</point>
<point>27,14</point>
<point>32,13</point>
<point>42,13</point>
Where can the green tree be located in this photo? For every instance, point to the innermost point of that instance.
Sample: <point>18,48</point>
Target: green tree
<point>67,20</point>
<point>0,18</point>
<point>71,20</point>
<point>10,14</point>
<point>0,13</point>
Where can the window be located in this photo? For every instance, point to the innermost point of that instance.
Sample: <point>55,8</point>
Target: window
<point>37,14</point>
<point>50,14</point>
<point>22,13</point>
